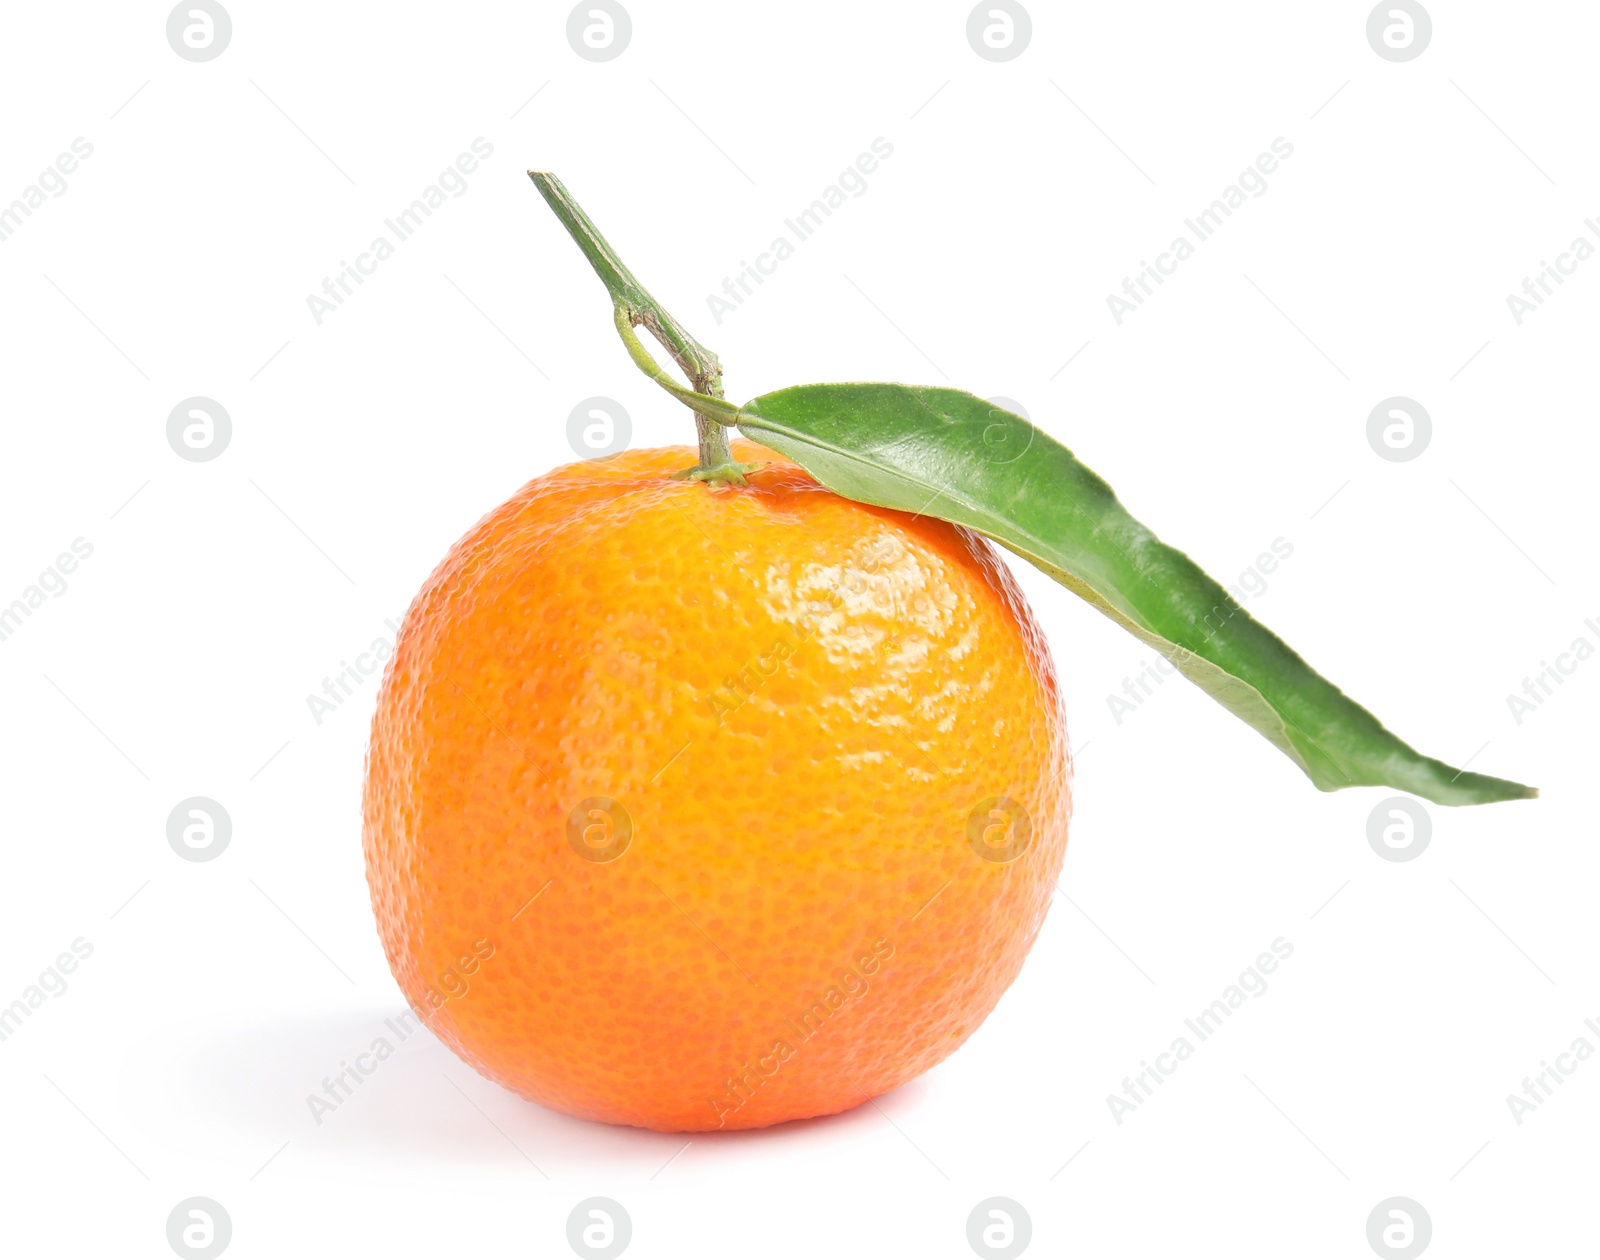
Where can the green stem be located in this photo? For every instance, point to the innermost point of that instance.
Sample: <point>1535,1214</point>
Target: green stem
<point>719,411</point>
<point>635,306</point>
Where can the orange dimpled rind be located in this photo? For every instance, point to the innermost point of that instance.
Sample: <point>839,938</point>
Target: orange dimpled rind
<point>697,807</point>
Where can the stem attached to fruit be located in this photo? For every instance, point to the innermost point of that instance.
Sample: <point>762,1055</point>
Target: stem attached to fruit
<point>635,306</point>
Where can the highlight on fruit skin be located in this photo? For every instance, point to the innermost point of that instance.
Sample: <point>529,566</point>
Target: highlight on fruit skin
<point>695,807</point>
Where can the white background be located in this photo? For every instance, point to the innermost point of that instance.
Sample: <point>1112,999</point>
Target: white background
<point>1229,411</point>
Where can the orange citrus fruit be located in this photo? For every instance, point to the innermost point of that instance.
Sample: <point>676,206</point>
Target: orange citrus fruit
<point>696,807</point>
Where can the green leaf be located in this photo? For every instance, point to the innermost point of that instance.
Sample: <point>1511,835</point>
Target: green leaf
<point>948,454</point>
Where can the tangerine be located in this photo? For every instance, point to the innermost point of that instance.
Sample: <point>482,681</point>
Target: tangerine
<point>696,807</point>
